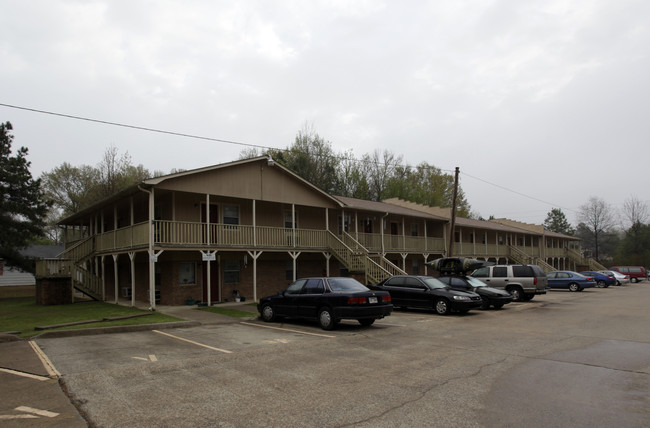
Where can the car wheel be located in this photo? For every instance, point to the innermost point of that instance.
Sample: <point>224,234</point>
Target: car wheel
<point>486,304</point>
<point>442,307</point>
<point>498,305</point>
<point>516,293</point>
<point>326,319</point>
<point>527,297</point>
<point>366,322</point>
<point>268,314</point>
<point>634,280</point>
<point>573,287</point>
<point>601,284</point>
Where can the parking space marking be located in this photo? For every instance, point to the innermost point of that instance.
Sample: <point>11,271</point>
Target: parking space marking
<point>23,374</point>
<point>288,329</point>
<point>193,342</point>
<point>38,412</point>
<point>53,372</point>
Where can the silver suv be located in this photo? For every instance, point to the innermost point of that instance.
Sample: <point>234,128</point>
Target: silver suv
<point>523,282</point>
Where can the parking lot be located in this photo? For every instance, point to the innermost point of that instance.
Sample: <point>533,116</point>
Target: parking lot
<point>563,359</point>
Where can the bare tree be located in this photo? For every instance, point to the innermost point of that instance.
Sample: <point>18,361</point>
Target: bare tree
<point>635,212</point>
<point>597,216</point>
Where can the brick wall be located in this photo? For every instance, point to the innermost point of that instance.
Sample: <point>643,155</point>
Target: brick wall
<point>53,291</point>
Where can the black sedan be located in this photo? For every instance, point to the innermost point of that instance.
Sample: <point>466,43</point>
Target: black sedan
<point>491,296</point>
<point>428,292</point>
<point>328,300</point>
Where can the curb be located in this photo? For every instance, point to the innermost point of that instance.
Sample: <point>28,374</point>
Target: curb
<point>114,329</point>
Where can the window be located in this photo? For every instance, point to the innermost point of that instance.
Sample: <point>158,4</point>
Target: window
<point>231,214</point>
<point>295,287</point>
<point>344,224</point>
<point>231,272</point>
<point>500,272</point>
<point>289,271</point>
<point>483,238</point>
<point>412,282</point>
<point>288,224</point>
<point>500,239</point>
<point>522,271</point>
<point>313,286</point>
<point>414,229</point>
<point>187,273</point>
<point>416,266</point>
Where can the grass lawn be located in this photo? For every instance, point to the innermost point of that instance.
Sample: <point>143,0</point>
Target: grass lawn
<point>23,315</point>
<point>236,313</point>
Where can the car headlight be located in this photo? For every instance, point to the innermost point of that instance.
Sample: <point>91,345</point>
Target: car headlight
<point>461,298</point>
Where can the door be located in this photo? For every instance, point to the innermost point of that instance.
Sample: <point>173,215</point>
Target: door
<point>309,298</point>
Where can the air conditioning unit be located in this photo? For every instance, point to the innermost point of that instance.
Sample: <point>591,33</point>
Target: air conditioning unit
<point>126,292</point>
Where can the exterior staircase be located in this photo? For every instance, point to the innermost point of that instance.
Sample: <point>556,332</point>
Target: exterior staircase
<point>356,258</point>
<point>591,263</point>
<point>83,280</point>
<point>520,257</point>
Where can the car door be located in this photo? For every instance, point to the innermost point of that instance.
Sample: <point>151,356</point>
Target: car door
<point>285,305</point>
<point>309,299</point>
<point>499,278</point>
<point>415,293</point>
<point>395,286</point>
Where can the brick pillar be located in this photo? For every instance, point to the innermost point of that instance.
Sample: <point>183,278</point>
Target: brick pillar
<point>53,291</point>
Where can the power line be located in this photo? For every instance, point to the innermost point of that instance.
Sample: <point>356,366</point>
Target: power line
<point>141,128</point>
<point>517,193</point>
<point>257,146</point>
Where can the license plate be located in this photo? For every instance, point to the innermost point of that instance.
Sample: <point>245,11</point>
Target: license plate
<point>372,300</point>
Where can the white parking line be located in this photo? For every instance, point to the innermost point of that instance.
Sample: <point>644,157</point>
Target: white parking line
<point>38,412</point>
<point>287,329</point>
<point>23,374</point>
<point>193,342</point>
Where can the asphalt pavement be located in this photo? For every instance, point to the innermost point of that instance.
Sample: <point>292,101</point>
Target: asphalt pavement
<point>30,392</point>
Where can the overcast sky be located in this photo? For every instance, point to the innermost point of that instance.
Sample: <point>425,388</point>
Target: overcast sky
<point>541,104</point>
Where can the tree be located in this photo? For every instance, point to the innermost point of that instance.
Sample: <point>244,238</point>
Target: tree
<point>74,188</point>
<point>557,222</point>
<point>635,248</point>
<point>312,158</point>
<point>598,219</point>
<point>22,204</point>
<point>425,184</point>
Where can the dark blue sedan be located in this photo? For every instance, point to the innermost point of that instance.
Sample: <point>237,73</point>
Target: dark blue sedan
<point>602,280</point>
<point>566,279</point>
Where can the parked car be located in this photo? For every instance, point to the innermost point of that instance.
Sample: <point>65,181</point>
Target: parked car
<point>636,273</point>
<point>619,277</point>
<point>603,280</point>
<point>566,279</point>
<point>427,292</point>
<point>491,296</point>
<point>523,282</point>
<point>327,300</point>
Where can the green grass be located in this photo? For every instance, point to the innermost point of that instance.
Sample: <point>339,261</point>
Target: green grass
<point>235,313</point>
<point>23,315</point>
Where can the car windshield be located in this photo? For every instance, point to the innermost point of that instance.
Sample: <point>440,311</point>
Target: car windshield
<point>475,282</point>
<point>432,282</point>
<point>346,284</point>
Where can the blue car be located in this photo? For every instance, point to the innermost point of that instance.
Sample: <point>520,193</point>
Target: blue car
<point>602,280</point>
<point>566,279</point>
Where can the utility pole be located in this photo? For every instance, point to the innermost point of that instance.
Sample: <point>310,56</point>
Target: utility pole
<point>452,233</point>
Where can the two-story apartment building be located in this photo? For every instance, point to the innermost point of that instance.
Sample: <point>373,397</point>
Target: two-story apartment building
<point>250,227</point>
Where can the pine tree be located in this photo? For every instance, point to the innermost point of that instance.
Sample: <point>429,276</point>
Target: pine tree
<point>22,206</point>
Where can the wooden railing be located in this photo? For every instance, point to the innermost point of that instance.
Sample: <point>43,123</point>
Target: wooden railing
<point>53,268</point>
<point>398,243</point>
